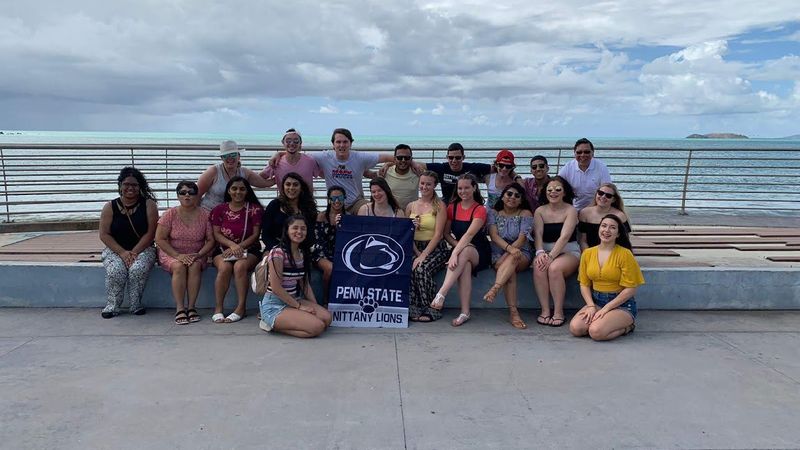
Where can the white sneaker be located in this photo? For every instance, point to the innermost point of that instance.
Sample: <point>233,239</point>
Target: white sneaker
<point>264,326</point>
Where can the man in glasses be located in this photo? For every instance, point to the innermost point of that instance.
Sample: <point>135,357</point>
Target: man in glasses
<point>292,161</point>
<point>534,185</point>
<point>401,178</point>
<point>585,173</point>
<point>454,167</point>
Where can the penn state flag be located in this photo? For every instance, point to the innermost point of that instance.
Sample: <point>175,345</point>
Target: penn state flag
<point>371,272</point>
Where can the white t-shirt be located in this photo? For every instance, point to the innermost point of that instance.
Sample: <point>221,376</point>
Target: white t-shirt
<point>585,184</point>
<point>347,174</point>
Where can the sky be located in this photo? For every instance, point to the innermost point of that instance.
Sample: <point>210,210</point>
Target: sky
<point>423,68</point>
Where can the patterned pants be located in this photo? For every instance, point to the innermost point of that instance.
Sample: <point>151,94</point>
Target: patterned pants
<point>423,288</point>
<point>118,276</point>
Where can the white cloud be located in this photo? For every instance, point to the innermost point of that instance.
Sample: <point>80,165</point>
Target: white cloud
<point>480,120</point>
<point>328,109</point>
<point>438,110</point>
<point>418,111</point>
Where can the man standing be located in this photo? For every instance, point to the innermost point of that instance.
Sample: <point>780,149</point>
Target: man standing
<point>454,167</point>
<point>403,181</point>
<point>292,161</point>
<point>585,173</point>
<point>535,184</point>
<point>344,167</point>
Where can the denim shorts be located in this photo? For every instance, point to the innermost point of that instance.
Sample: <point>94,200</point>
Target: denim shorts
<point>271,305</point>
<point>601,298</point>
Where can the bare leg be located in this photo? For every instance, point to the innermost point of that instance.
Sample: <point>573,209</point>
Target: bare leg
<point>614,324</point>
<point>578,326</point>
<point>563,266</point>
<point>542,286</point>
<point>326,266</point>
<point>193,282</point>
<point>298,323</point>
<point>241,269</point>
<point>224,272</point>
<point>178,284</point>
<point>452,276</point>
<point>321,313</point>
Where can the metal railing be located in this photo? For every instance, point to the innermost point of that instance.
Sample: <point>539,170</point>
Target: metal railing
<point>47,182</point>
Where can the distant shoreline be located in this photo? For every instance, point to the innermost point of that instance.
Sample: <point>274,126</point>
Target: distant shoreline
<point>717,136</point>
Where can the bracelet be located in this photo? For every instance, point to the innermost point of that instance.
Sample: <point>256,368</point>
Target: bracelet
<point>507,247</point>
<point>539,252</point>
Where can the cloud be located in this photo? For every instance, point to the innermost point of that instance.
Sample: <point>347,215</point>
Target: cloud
<point>438,110</point>
<point>328,109</point>
<point>418,111</point>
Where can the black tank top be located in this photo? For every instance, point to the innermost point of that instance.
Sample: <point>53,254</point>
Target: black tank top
<point>121,229</point>
<point>552,231</point>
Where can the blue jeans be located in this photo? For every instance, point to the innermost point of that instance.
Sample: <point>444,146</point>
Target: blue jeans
<point>601,298</point>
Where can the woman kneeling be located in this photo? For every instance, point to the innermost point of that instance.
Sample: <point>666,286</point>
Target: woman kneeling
<point>609,275</point>
<point>289,306</point>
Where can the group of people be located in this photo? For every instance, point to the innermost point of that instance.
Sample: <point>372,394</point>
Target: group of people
<point>574,221</point>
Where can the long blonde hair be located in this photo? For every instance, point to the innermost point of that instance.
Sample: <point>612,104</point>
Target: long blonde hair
<point>436,202</point>
<point>617,202</point>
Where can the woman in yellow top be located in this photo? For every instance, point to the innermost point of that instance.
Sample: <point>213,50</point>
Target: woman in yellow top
<point>609,275</point>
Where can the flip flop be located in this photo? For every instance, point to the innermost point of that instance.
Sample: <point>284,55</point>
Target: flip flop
<point>543,320</point>
<point>556,319</point>
<point>460,320</point>
<point>218,318</point>
<point>233,317</point>
<point>438,302</point>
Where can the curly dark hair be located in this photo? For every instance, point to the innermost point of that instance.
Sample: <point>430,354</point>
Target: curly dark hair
<point>305,247</point>
<point>569,194</point>
<point>144,188</point>
<point>499,205</point>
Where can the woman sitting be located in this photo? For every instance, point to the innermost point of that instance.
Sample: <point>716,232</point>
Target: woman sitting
<point>464,231</point>
<point>294,198</point>
<point>127,227</point>
<point>430,249</point>
<point>609,275</point>
<point>382,202</point>
<point>510,223</point>
<point>236,224</point>
<point>606,201</point>
<point>213,182</point>
<point>289,305</point>
<point>325,234</point>
<point>557,252</point>
<point>185,239</point>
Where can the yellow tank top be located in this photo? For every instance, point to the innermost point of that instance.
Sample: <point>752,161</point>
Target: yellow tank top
<point>427,226</point>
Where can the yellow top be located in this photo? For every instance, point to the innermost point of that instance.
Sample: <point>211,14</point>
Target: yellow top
<point>427,226</point>
<point>620,270</point>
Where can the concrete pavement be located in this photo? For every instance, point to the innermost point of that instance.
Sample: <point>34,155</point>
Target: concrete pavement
<point>700,379</point>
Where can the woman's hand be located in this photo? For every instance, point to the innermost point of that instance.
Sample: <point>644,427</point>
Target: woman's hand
<point>187,260</point>
<point>338,219</point>
<point>587,314</point>
<point>417,261</point>
<point>542,261</point>
<point>307,309</point>
<point>128,258</point>
<point>236,250</point>
<point>452,263</point>
<point>514,251</point>
<point>415,221</point>
<point>599,314</point>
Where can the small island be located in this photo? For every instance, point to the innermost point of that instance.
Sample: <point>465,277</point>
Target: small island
<point>717,136</point>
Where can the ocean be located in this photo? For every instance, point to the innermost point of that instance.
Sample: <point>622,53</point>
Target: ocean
<point>725,174</point>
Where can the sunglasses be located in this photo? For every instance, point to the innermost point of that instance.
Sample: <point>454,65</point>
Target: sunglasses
<point>455,158</point>
<point>291,141</point>
<point>555,189</point>
<point>505,166</point>
<point>336,198</point>
<point>605,194</point>
<point>538,166</point>
<point>583,152</point>
<point>510,194</point>
<point>182,193</point>
<point>229,155</point>
<point>403,158</point>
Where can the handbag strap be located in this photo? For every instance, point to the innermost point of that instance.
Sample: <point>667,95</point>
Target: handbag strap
<point>124,210</point>
<point>246,216</point>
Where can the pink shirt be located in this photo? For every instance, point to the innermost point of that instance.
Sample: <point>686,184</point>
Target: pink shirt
<point>231,223</point>
<point>306,167</point>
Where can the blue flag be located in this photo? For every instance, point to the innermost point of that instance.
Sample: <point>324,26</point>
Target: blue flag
<point>371,272</point>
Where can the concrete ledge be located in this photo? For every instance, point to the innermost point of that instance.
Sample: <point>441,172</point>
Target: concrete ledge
<point>692,288</point>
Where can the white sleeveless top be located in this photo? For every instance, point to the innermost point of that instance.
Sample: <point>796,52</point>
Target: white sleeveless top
<point>216,193</point>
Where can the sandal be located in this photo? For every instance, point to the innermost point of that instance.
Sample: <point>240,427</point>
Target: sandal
<point>193,316</point>
<point>492,293</point>
<point>557,321</point>
<point>629,330</point>
<point>218,318</point>
<point>424,318</point>
<point>516,320</point>
<point>543,320</point>
<point>181,318</point>
<point>438,302</point>
<point>460,320</point>
<point>233,317</point>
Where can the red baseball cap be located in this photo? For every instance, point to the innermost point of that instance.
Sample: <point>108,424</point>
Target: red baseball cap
<point>505,157</point>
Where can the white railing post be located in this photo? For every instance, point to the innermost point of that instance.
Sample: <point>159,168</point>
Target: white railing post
<point>683,212</point>
<point>5,185</point>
